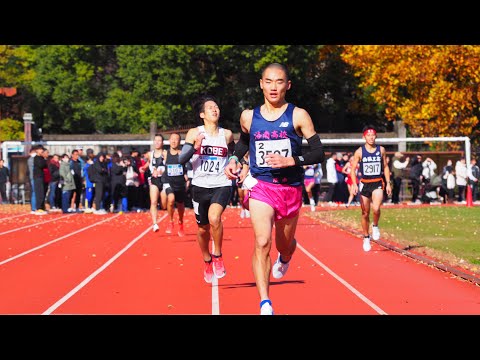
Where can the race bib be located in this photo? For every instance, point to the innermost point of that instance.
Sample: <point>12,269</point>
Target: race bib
<point>263,148</point>
<point>174,170</point>
<point>372,168</point>
<point>210,165</point>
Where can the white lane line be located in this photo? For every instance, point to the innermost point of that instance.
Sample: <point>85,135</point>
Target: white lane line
<point>13,217</point>
<point>98,271</point>
<point>215,295</point>
<point>346,284</point>
<point>39,223</point>
<point>54,241</point>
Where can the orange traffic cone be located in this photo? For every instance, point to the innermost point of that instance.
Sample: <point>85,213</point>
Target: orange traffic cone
<point>469,196</point>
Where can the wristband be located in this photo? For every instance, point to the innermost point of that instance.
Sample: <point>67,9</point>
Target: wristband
<point>233,157</point>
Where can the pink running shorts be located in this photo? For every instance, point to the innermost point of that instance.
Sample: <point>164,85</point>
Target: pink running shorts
<point>286,200</point>
<point>308,181</point>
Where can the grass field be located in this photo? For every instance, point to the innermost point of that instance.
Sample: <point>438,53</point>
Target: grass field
<point>450,234</point>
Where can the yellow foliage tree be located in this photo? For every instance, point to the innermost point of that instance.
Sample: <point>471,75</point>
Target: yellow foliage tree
<point>434,89</point>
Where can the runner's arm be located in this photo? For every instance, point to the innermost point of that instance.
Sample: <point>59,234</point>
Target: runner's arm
<point>193,142</point>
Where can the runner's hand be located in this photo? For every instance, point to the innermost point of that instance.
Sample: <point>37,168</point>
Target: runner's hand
<point>354,189</point>
<point>231,169</point>
<point>388,189</point>
<point>243,174</point>
<point>278,161</point>
<point>198,141</point>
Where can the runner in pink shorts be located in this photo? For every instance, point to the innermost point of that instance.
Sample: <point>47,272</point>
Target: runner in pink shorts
<point>273,134</point>
<point>286,200</point>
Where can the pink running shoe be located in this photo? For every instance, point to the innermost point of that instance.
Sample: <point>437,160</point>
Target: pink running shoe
<point>180,230</point>
<point>208,272</point>
<point>169,227</point>
<point>218,266</point>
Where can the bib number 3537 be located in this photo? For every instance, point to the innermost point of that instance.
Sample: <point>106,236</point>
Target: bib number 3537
<point>263,148</point>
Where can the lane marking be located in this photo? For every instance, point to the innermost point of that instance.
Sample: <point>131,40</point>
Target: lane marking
<point>54,241</point>
<point>215,295</point>
<point>98,271</point>
<point>344,283</point>
<point>40,223</point>
<point>13,217</point>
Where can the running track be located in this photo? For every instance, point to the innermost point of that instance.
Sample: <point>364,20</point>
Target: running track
<point>114,264</point>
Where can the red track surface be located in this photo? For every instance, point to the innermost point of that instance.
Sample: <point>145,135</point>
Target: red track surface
<point>115,264</point>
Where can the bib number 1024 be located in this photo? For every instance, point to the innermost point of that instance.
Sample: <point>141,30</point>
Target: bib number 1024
<point>210,166</point>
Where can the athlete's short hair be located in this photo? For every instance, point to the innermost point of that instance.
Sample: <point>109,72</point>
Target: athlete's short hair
<point>278,66</point>
<point>199,105</point>
<point>160,135</point>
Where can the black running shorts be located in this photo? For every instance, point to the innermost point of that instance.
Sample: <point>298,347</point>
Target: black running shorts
<point>203,197</point>
<point>370,187</point>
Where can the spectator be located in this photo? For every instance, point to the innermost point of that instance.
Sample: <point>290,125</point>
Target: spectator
<point>46,176</point>
<point>461,179</point>
<point>450,176</point>
<point>473,176</point>
<point>318,183</point>
<point>443,184</point>
<point>118,183</point>
<point>54,171</point>
<point>331,177</point>
<point>416,177</point>
<point>399,164</point>
<point>39,163</point>
<point>100,178</point>
<point>33,199</point>
<point>76,167</point>
<point>4,179</point>
<point>89,185</point>
<point>67,183</point>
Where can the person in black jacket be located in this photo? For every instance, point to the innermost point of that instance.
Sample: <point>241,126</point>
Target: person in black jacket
<point>118,184</point>
<point>100,180</point>
<point>416,178</point>
<point>55,195</point>
<point>4,177</point>
<point>39,163</point>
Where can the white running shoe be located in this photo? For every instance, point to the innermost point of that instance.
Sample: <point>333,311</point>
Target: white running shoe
<point>366,244</point>
<point>266,307</point>
<point>242,213</point>
<point>279,269</point>
<point>375,232</point>
<point>156,228</point>
<point>247,214</point>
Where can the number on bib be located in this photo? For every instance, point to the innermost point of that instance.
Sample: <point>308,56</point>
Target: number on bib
<point>263,148</point>
<point>371,168</point>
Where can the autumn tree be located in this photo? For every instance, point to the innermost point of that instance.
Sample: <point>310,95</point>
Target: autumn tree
<point>15,65</point>
<point>11,129</point>
<point>433,89</point>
